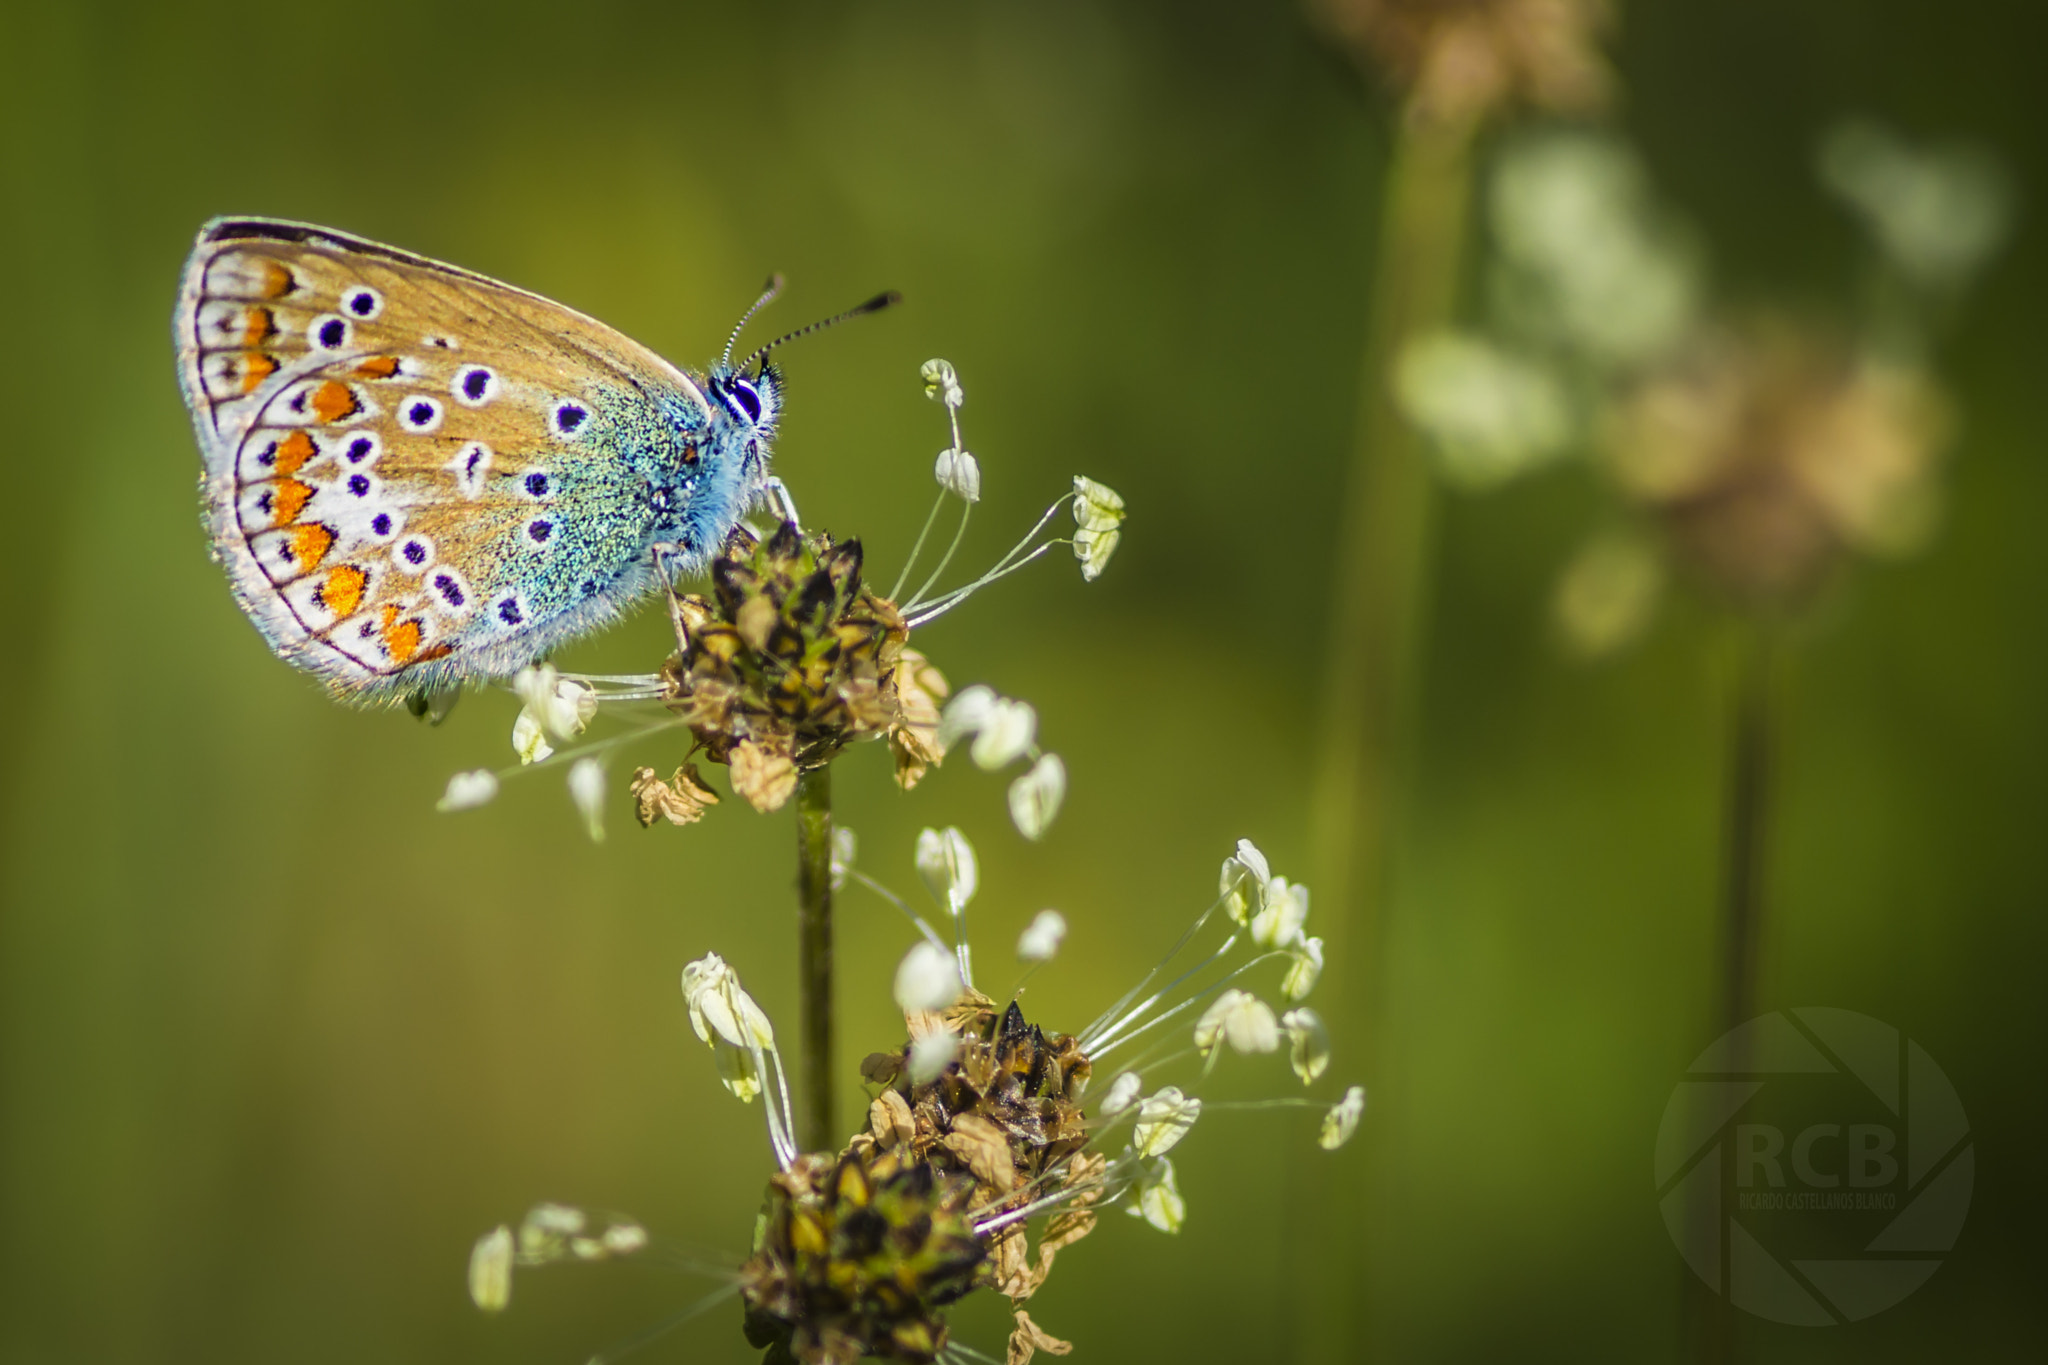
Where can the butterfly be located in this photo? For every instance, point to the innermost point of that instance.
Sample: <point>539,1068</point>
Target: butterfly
<point>416,476</point>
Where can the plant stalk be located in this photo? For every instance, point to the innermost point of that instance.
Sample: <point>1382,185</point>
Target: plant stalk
<point>814,959</point>
<point>1711,1320</point>
<point>1381,577</point>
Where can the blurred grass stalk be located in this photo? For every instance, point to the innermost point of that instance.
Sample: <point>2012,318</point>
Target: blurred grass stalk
<point>1381,591</point>
<point>814,959</point>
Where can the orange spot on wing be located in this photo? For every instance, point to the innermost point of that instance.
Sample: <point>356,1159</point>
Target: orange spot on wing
<point>401,638</point>
<point>277,281</point>
<point>257,326</point>
<point>256,367</point>
<point>342,593</point>
<point>310,544</point>
<point>378,367</point>
<point>287,502</point>
<point>293,451</point>
<point>333,401</point>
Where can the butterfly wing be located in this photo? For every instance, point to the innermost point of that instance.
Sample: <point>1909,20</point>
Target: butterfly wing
<point>416,475</point>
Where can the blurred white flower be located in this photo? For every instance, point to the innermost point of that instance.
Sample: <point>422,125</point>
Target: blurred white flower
<point>1489,415</point>
<point>1041,938</point>
<point>1121,1095</point>
<point>555,709</point>
<point>1163,1120</point>
<point>1939,214</point>
<point>844,845</point>
<point>1243,881</point>
<point>1304,968</point>
<point>1588,259</point>
<point>726,1018</point>
<point>966,713</point>
<point>1308,1044</point>
<point>1098,522</point>
<point>946,862</point>
<point>469,790</point>
<point>1279,924</point>
<point>1240,1019</point>
<point>959,473</point>
<point>941,383</point>
<point>1608,593</point>
<point>1035,797</point>
<point>1006,732</point>
<point>1342,1120</point>
<point>586,789</point>
<point>490,1270</point>
<point>927,978</point>
<point>1156,1199</point>
<point>932,1054</point>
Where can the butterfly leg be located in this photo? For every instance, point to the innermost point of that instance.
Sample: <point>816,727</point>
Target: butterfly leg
<point>776,492</point>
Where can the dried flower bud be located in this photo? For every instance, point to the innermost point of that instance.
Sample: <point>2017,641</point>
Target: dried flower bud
<point>1036,796</point>
<point>1342,1120</point>
<point>1163,1120</point>
<point>469,790</point>
<point>928,979</point>
<point>959,473</point>
<point>1308,1044</point>
<point>1240,1019</point>
<point>1041,938</point>
<point>490,1270</point>
<point>680,800</point>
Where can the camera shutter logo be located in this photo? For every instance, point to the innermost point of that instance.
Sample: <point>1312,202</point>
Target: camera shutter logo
<point>1736,1189</point>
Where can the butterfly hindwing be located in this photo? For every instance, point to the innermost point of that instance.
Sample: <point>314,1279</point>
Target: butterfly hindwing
<point>416,474</point>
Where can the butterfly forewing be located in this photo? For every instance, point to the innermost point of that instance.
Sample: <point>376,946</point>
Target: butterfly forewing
<point>416,474</point>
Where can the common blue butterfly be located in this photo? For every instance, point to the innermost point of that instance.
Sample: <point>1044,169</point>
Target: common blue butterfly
<point>416,476</point>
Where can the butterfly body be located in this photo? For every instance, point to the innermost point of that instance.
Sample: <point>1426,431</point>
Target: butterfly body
<point>416,476</point>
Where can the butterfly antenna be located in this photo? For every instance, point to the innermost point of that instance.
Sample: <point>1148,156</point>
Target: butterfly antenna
<point>768,293</point>
<point>873,305</point>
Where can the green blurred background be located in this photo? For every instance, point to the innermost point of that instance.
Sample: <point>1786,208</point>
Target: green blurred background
<point>277,1041</point>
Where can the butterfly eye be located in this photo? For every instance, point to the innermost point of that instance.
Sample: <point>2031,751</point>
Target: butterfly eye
<point>745,399</point>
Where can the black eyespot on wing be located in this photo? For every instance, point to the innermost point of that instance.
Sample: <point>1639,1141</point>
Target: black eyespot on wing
<point>570,416</point>
<point>381,524</point>
<point>475,384</point>
<point>415,553</point>
<point>358,484</point>
<point>540,529</point>
<point>333,332</point>
<point>449,589</point>
<point>509,613</point>
<point>537,485</point>
<point>362,303</point>
<point>359,449</point>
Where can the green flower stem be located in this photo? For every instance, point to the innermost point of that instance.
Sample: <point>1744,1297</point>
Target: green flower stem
<point>1710,1323</point>
<point>814,958</point>
<point>1381,589</point>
